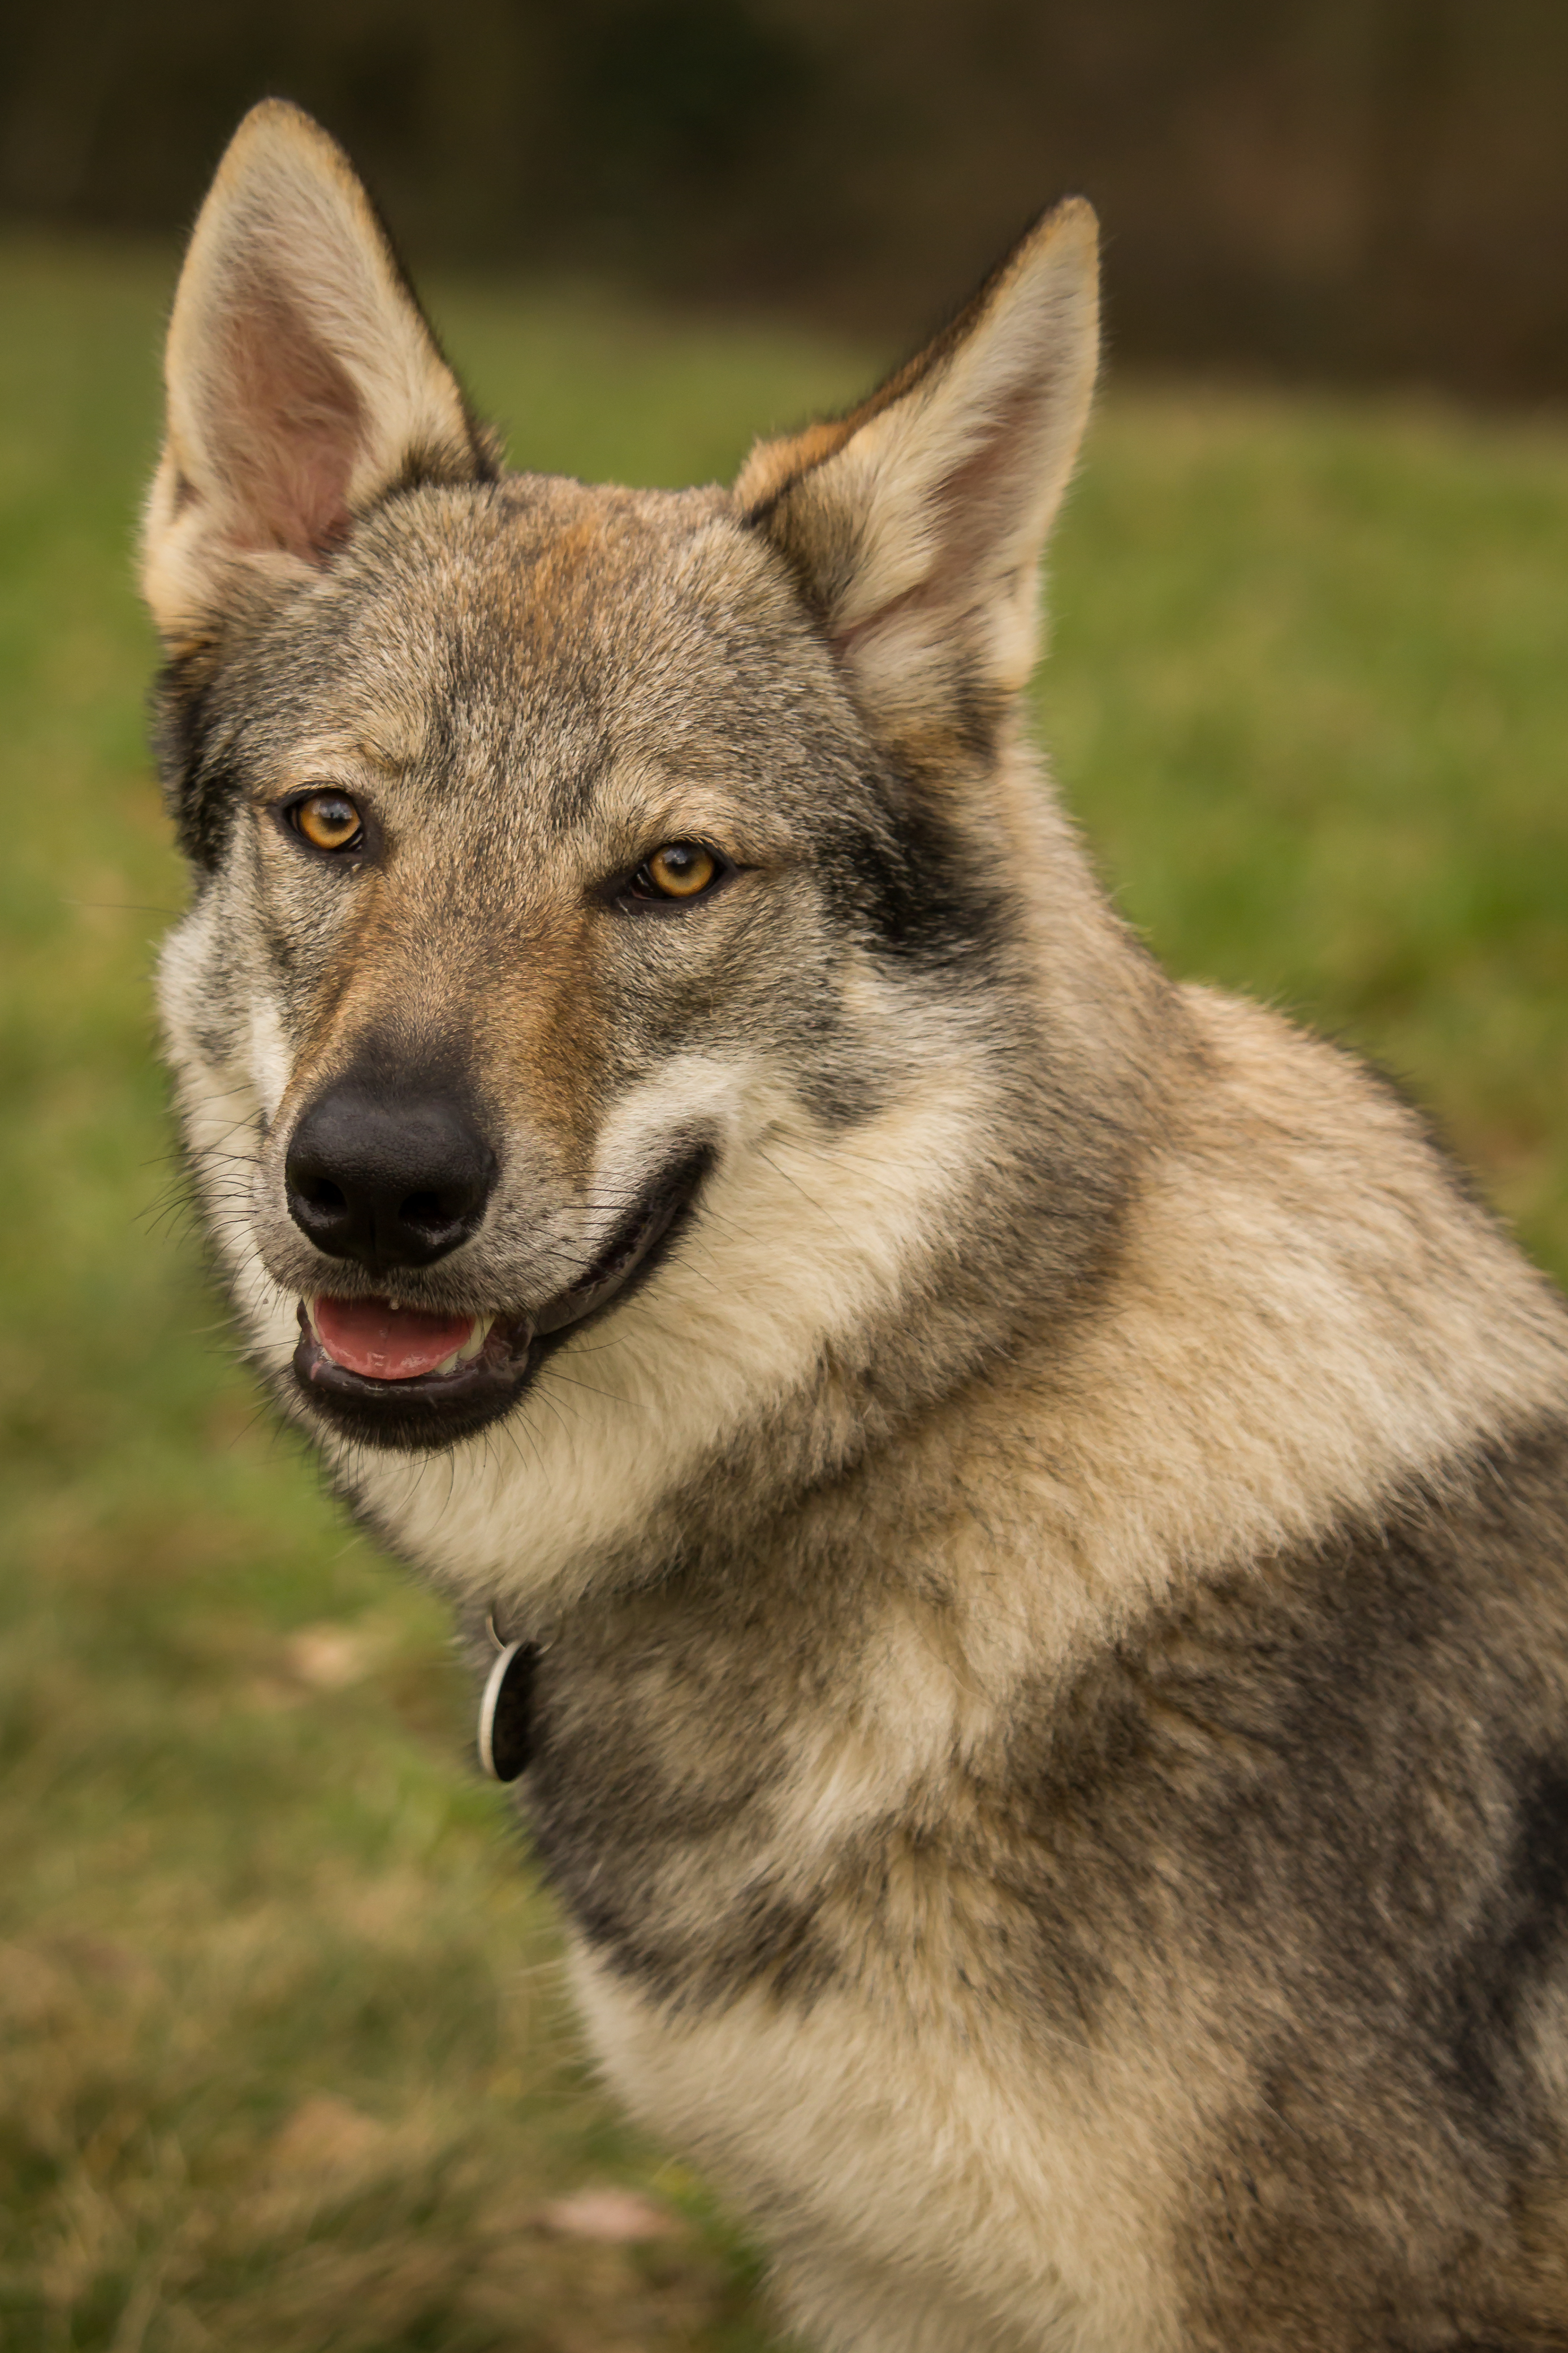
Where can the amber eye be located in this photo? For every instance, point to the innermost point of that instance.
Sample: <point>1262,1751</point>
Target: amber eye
<point>327,822</point>
<point>681,870</point>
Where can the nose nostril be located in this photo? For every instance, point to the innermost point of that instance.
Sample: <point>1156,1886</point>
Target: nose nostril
<point>322,1194</point>
<point>427,1209</point>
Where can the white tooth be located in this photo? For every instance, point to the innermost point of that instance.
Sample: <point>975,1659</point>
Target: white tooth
<point>475,1341</point>
<point>471,1347</point>
<point>311,1316</point>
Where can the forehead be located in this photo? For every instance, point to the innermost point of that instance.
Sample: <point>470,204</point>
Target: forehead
<point>553,632</point>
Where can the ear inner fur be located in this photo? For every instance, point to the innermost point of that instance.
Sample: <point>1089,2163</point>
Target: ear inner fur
<point>297,420</point>
<point>914,525</point>
<point>772,468</point>
<point>303,382</point>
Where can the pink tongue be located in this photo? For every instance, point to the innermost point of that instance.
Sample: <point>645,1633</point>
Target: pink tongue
<point>387,1343</point>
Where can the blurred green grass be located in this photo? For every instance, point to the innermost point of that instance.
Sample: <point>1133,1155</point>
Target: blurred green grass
<point>288,2064</point>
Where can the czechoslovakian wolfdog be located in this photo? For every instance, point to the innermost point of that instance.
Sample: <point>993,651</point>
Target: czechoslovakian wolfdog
<point>1039,1526</point>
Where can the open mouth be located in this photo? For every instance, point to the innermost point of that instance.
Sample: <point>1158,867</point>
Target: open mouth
<point>405,1377</point>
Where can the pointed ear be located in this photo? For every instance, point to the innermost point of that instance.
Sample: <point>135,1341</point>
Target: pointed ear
<point>915,524</point>
<point>302,380</point>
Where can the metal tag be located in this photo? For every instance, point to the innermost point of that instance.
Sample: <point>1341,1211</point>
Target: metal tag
<point>506,1713</point>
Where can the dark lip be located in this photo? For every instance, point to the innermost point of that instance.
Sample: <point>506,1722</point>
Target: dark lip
<point>438,1409</point>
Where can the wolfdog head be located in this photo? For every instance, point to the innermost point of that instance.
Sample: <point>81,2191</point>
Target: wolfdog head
<point>636,991</point>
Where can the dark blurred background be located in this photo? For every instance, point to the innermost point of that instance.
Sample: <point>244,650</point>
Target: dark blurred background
<point>1351,189</point>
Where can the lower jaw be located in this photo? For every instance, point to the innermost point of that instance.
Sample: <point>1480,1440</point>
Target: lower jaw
<point>423,1415</point>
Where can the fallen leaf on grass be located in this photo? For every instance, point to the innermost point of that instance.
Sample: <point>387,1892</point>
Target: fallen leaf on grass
<point>331,1658</point>
<point>95,1956</point>
<point>326,2135</point>
<point>616,2216</point>
<point>33,1989</point>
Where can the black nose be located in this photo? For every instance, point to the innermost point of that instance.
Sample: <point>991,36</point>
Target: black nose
<point>388,1182</point>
